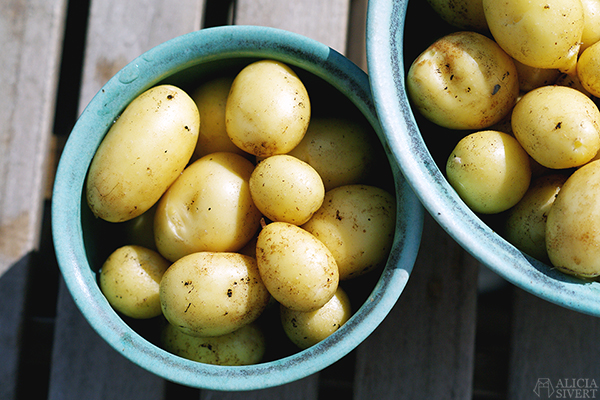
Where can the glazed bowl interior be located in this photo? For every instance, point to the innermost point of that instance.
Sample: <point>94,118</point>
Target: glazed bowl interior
<point>82,242</point>
<point>396,35</point>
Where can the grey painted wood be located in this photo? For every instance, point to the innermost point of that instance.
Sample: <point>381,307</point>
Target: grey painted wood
<point>553,350</point>
<point>30,44</point>
<point>425,347</point>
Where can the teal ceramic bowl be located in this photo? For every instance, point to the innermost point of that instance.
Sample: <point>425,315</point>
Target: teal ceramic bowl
<point>81,244</point>
<point>397,31</point>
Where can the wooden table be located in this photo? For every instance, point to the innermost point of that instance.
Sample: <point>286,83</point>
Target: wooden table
<point>451,335</point>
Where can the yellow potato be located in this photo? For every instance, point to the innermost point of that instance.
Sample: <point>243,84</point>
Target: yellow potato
<point>245,346</point>
<point>212,294</point>
<point>208,208</point>
<point>306,329</point>
<point>464,80</point>
<point>268,109</point>
<point>130,279</point>
<point>538,33</point>
<point>342,151</point>
<point>572,235</point>
<point>525,223</point>
<point>144,151</point>
<point>531,78</point>
<point>591,25</point>
<point>140,230</point>
<point>588,69</point>
<point>297,268</point>
<point>489,170</point>
<point>286,189</point>
<point>557,126</point>
<point>463,14</point>
<point>211,98</point>
<point>357,224</point>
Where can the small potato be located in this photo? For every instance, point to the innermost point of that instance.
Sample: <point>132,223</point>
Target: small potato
<point>357,224</point>
<point>140,230</point>
<point>572,235</point>
<point>245,346</point>
<point>525,224</point>
<point>341,150</point>
<point>463,14</point>
<point>532,78</point>
<point>130,280</point>
<point>557,126</point>
<point>142,154</point>
<point>212,294</point>
<point>211,98</point>
<point>541,34</point>
<point>306,329</point>
<point>286,189</point>
<point>588,69</point>
<point>297,268</point>
<point>591,25</point>
<point>489,170</point>
<point>463,81</point>
<point>268,109</point>
<point>208,208</point>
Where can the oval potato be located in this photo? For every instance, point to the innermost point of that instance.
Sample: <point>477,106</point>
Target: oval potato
<point>308,328</point>
<point>245,346</point>
<point>286,189</point>
<point>130,279</point>
<point>489,170</point>
<point>357,224</point>
<point>268,109</point>
<point>208,208</point>
<point>297,268</point>
<point>538,33</point>
<point>572,234</point>
<point>142,154</point>
<point>464,80</point>
<point>557,126</point>
<point>212,294</point>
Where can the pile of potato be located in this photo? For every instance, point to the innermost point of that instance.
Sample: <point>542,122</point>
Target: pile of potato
<point>520,79</point>
<point>236,198</point>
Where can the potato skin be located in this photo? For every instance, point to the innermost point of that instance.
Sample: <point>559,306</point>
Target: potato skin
<point>588,69</point>
<point>208,208</point>
<point>557,126</point>
<point>357,224</point>
<point>286,189</point>
<point>268,109</point>
<point>463,14</point>
<point>572,234</point>
<point>464,80</point>
<point>297,268</point>
<point>130,280</point>
<point>525,223</point>
<point>306,329</point>
<point>143,152</point>
<point>245,346</point>
<point>541,34</point>
<point>342,151</point>
<point>489,170</point>
<point>212,294</point>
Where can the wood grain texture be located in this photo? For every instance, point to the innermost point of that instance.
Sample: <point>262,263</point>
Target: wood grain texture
<point>30,43</point>
<point>324,21</point>
<point>552,344</point>
<point>424,349</point>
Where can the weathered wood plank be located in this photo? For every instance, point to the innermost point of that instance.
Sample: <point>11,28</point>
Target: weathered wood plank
<point>30,41</point>
<point>304,389</point>
<point>425,347</point>
<point>325,20</point>
<point>83,365</point>
<point>553,350</point>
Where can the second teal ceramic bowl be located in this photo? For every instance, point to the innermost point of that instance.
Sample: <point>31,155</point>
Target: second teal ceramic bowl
<point>396,34</point>
<point>80,247</point>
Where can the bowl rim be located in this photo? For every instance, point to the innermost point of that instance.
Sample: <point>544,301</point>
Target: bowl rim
<point>213,44</point>
<point>385,40</point>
